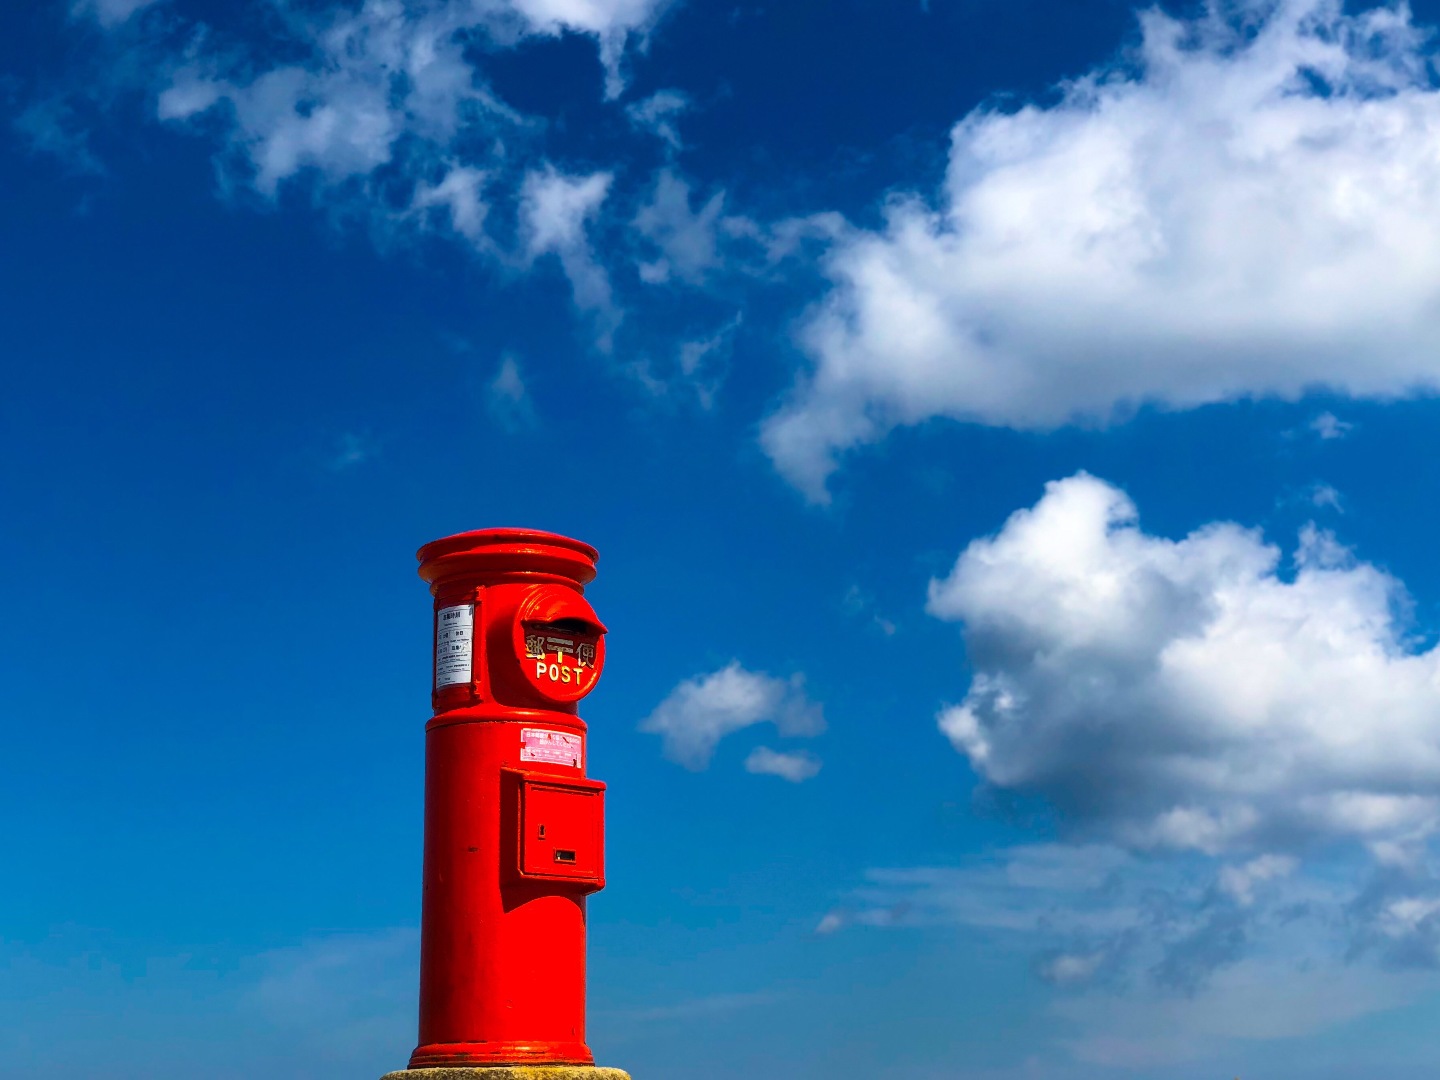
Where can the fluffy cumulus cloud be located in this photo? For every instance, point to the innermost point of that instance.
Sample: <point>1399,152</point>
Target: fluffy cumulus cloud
<point>702,710</point>
<point>1187,694</point>
<point>1241,751</point>
<point>1249,205</point>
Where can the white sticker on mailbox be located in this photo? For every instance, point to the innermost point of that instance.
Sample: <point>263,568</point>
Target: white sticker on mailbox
<point>555,747</point>
<point>454,645</point>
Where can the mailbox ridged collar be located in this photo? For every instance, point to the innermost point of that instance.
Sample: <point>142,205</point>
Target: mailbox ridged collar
<point>503,553</point>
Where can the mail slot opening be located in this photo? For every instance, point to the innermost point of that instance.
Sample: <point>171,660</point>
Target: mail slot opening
<point>564,856</point>
<point>574,626</point>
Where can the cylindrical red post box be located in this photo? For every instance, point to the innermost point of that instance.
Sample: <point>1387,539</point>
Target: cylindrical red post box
<point>514,831</point>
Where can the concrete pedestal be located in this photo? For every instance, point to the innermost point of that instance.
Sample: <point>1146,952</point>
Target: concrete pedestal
<point>512,1072</point>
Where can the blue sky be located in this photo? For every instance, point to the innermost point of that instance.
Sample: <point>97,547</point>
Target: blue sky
<point>1008,430</point>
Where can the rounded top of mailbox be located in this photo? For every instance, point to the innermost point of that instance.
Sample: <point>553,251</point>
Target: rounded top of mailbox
<point>501,552</point>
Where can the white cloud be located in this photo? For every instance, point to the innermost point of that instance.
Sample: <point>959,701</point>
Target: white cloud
<point>1160,960</point>
<point>1186,695</point>
<point>383,84</point>
<point>1404,916</point>
<point>189,92</point>
<point>658,113</point>
<point>860,603</point>
<point>51,126</point>
<point>1251,1000</point>
<point>558,206</point>
<point>795,767</point>
<point>702,710</point>
<point>695,371</point>
<point>459,194</point>
<point>686,238</point>
<point>598,17</point>
<point>1250,207</point>
<point>612,22</point>
<point>351,450</point>
<point>507,398</point>
<point>1329,426</point>
<point>374,76</point>
<point>1064,892</point>
<point>1072,967</point>
<point>1325,496</point>
<point>696,361</point>
<point>108,13</point>
<point>555,210</point>
<point>1239,882</point>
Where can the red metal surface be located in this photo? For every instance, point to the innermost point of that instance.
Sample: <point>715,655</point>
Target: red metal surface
<point>514,831</point>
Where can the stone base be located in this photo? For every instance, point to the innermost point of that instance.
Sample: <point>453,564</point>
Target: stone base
<point>511,1072</point>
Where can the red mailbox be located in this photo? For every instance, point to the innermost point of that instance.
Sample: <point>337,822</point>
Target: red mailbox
<point>514,831</point>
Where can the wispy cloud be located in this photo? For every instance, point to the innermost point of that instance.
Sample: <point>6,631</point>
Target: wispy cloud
<point>1325,497</point>
<point>684,238</point>
<point>795,767</point>
<point>507,398</point>
<point>459,195</point>
<point>1329,426</point>
<point>385,111</point>
<point>702,710</point>
<point>341,993</point>
<point>555,213</point>
<point>861,604</point>
<point>700,1008</point>
<point>351,450</point>
<point>109,13</point>
<point>1153,961</point>
<point>50,126</point>
<point>658,115</point>
<point>344,1003</point>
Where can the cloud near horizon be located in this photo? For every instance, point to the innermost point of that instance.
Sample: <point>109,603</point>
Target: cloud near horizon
<point>1161,961</point>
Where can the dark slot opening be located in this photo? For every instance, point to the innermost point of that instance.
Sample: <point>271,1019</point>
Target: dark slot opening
<point>569,626</point>
<point>564,856</point>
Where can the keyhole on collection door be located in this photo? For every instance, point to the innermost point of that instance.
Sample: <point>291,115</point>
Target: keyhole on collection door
<point>542,832</point>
